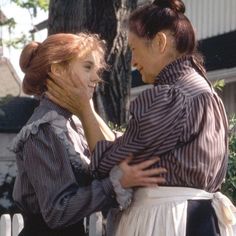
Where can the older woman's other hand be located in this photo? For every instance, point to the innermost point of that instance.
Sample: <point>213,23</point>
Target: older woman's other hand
<point>140,175</point>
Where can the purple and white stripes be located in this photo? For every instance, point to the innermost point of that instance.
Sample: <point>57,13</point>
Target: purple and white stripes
<point>181,120</point>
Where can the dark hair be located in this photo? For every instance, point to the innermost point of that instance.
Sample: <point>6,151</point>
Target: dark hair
<point>150,19</point>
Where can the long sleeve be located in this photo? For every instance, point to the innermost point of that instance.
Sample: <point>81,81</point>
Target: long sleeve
<point>181,120</point>
<point>62,202</point>
<point>154,128</point>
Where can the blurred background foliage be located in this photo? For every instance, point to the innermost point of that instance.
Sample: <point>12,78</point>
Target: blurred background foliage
<point>229,186</point>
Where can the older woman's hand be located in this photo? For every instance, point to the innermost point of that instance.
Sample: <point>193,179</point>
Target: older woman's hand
<point>68,94</point>
<point>140,175</point>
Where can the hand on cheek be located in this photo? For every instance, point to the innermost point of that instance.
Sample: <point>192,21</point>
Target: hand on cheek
<point>73,96</point>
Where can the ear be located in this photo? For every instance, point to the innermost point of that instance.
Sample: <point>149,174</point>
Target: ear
<point>161,41</point>
<point>56,69</point>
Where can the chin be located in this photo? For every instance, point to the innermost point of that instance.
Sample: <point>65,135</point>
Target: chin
<point>148,80</point>
<point>144,80</point>
<point>91,95</point>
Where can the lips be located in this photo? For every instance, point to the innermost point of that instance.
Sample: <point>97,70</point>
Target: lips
<point>140,69</point>
<point>92,85</point>
<point>92,88</point>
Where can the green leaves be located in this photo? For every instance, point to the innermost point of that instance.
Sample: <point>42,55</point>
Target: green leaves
<point>116,127</point>
<point>32,5</point>
<point>229,186</point>
<point>17,42</point>
<point>11,23</point>
<point>219,84</point>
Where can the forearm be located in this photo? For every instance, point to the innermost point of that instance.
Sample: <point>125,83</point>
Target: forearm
<point>79,203</point>
<point>107,132</point>
<point>61,200</point>
<point>92,129</point>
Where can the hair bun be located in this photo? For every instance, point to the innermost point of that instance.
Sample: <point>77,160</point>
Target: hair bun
<point>27,55</point>
<point>175,5</point>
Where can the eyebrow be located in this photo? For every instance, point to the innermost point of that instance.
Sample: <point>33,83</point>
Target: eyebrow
<point>90,62</point>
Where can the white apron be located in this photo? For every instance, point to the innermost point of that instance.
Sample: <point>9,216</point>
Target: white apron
<point>162,211</point>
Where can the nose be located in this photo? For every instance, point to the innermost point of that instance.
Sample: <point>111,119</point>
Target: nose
<point>95,77</point>
<point>133,61</point>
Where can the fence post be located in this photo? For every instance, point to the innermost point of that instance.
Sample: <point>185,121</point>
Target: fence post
<point>5,225</point>
<point>17,224</point>
<point>95,224</point>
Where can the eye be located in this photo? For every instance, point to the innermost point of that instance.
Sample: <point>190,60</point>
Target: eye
<point>88,67</point>
<point>131,48</point>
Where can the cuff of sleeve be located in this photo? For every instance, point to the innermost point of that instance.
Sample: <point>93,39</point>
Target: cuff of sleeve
<point>108,188</point>
<point>123,196</point>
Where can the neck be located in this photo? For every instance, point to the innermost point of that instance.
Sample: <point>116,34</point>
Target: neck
<point>170,57</point>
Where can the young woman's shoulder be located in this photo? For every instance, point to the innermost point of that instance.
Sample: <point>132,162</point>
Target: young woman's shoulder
<point>50,121</point>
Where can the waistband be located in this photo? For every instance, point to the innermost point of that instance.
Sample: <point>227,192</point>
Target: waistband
<point>224,209</point>
<point>159,195</point>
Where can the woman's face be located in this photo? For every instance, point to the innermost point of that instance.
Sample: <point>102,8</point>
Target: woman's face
<point>144,57</point>
<point>86,69</point>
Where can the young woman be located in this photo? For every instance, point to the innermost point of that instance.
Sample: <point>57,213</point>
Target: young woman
<point>54,187</point>
<point>181,119</point>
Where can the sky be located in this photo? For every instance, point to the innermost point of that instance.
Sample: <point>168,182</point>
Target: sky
<point>22,18</point>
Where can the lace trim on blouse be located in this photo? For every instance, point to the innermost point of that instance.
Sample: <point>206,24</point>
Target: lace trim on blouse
<point>57,122</point>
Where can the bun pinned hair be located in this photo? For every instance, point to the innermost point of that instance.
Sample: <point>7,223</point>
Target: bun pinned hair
<point>27,55</point>
<point>175,5</point>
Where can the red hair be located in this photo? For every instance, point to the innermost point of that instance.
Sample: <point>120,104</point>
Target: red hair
<point>36,58</point>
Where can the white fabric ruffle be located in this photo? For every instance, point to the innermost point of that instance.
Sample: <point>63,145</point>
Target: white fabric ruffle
<point>123,195</point>
<point>57,122</point>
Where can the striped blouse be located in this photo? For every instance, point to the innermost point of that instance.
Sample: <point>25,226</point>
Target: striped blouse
<point>54,177</point>
<point>182,120</point>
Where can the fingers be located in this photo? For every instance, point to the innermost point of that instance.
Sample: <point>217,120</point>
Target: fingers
<point>51,97</point>
<point>155,171</point>
<point>152,181</point>
<point>54,89</point>
<point>57,80</point>
<point>57,94</point>
<point>55,100</point>
<point>145,164</point>
<point>125,163</point>
<point>75,80</point>
<point>128,159</point>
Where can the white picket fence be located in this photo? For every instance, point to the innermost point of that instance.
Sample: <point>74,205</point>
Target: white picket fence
<point>12,226</point>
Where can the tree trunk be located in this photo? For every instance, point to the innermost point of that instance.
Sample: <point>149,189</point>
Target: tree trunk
<point>106,18</point>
